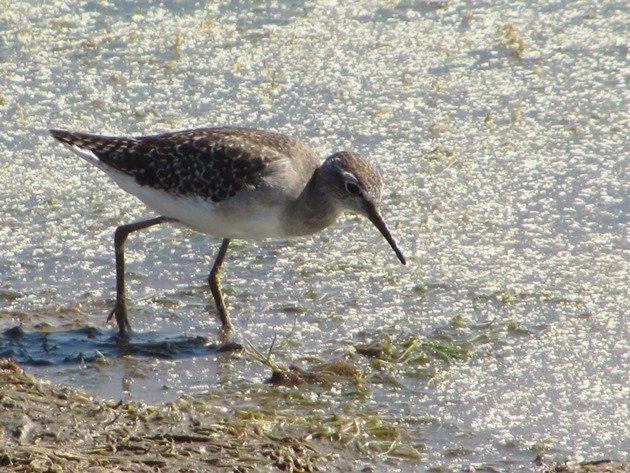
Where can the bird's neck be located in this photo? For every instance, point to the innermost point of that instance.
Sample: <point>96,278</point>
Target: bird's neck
<point>313,210</point>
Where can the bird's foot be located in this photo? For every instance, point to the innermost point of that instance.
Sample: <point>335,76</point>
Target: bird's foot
<point>119,312</point>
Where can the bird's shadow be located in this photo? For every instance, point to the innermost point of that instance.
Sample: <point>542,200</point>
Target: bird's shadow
<point>87,344</point>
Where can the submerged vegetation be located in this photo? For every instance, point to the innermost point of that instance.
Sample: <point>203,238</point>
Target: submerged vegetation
<point>317,418</point>
<point>277,425</point>
<point>300,420</point>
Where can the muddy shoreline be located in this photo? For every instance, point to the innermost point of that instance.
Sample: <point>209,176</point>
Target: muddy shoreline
<point>55,428</point>
<point>46,427</point>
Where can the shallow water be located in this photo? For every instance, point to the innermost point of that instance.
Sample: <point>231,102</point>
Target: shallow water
<point>500,129</point>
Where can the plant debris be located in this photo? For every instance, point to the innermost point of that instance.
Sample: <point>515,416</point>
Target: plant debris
<point>44,427</point>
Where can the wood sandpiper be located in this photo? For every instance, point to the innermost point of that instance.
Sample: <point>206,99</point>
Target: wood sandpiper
<point>230,183</point>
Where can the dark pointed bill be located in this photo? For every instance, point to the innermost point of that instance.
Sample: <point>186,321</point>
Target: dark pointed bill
<point>377,220</point>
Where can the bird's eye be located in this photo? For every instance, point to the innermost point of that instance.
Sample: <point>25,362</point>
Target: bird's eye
<point>352,188</point>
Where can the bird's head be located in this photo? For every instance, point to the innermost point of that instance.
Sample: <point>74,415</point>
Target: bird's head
<point>356,186</point>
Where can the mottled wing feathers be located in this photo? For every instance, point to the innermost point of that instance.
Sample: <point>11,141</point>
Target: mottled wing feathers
<point>213,163</point>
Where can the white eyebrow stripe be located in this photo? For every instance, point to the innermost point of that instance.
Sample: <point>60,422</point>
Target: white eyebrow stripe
<point>348,176</point>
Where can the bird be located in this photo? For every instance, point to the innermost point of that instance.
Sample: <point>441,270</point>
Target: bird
<point>230,183</point>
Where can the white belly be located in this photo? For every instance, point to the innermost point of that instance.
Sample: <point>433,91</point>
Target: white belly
<point>241,216</point>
